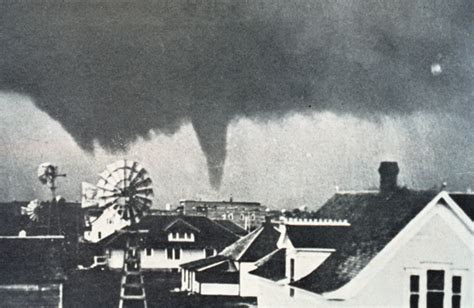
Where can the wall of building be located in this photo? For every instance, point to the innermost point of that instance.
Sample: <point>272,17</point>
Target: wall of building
<point>306,261</point>
<point>247,283</point>
<point>105,225</point>
<point>442,243</point>
<point>158,258</point>
<point>219,289</point>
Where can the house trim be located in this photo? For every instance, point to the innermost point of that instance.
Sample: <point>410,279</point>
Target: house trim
<point>183,221</point>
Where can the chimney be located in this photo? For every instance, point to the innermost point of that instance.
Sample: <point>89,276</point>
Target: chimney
<point>388,171</point>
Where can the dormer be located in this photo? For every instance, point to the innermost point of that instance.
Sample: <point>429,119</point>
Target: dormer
<point>181,237</point>
<point>181,231</point>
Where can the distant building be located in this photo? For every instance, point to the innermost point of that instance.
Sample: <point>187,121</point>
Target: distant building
<point>168,241</point>
<point>389,248</point>
<point>228,273</point>
<point>248,215</point>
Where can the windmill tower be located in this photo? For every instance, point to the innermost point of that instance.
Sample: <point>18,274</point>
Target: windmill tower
<point>47,174</point>
<point>125,187</point>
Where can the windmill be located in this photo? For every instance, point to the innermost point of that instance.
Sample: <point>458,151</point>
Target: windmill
<point>126,188</point>
<point>47,174</point>
<point>32,210</point>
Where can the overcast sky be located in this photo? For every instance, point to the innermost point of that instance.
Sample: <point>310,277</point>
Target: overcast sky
<point>266,101</point>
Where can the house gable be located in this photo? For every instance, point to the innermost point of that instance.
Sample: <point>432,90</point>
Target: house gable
<point>441,208</point>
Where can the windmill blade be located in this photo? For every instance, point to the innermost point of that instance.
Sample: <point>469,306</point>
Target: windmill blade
<point>107,202</point>
<point>32,210</point>
<point>103,185</point>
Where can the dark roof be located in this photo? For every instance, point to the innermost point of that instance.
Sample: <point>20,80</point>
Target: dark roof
<point>232,227</point>
<point>375,220</point>
<point>465,202</point>
<point>272,266</point>
<point>255,245</point>
<point>31,260</point>
<point>224,272</point>
<point>206,232</point>
<point>316,236</point>
<point>203,262</point>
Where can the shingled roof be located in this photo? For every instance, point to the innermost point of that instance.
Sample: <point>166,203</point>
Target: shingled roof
<point>465,202</point>
<point>271,266</point>
<point>316,236</point>
<point>207,233</point>
<point>375,220</point>
<point>231,226</point>
<point>255,245</point>
<point>31,260</point>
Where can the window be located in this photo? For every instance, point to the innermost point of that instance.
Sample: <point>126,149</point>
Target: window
<point>242,217</point>
<point>231,216</point>
<point>292,292</point>
<point>414,291</point>
<point>292,270</point>
<point>253,217</point>
<point>173,253</point>
<point>456,290</point>
<point>99,235</point>
<point>435,288</point>
<point>148,251</point>
<point>209,252</point>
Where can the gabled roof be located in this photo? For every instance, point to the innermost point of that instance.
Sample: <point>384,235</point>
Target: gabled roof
<point>210,234</point>
<point>316,236</point>
<point>272,266</point>
<point>31,260</point>
<point>375,220</point>
<point>255,245</point>
<point>180,225</point>
<point>232,227</point>
<point>465,202</point>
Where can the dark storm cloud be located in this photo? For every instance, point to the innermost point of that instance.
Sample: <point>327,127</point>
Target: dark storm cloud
<point>111,72</point>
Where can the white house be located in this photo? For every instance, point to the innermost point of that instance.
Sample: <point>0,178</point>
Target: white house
<point>169,240</point>
<point>228,272</point>
<point>390,248</point>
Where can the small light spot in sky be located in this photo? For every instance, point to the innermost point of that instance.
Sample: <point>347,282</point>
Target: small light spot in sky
<point>436,69</point>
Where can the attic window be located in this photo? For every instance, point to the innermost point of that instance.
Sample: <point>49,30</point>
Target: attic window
<point>414,291</point>
<point>435,288</point>
<point>149,251</point>
<point>231,216</point>
<point>456,290</point>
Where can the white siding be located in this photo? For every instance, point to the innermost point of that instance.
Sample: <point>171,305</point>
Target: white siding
<point>219,289</point>
<point>158,259</point>
<point>305,261</point>
<point>247,284</point>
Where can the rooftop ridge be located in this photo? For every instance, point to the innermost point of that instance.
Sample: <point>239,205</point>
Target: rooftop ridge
<point>346,192</point>
<point>315,222</point>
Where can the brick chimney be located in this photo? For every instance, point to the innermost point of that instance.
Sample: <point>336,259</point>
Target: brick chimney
<point>388,171</point>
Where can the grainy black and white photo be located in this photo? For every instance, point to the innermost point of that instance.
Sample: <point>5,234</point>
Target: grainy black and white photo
<point>237,153</point>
